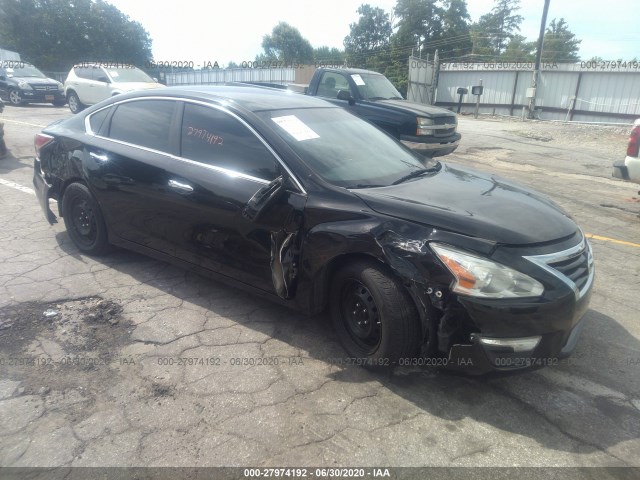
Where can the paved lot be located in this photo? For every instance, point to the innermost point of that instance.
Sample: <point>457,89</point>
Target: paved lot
<point>129,361</point>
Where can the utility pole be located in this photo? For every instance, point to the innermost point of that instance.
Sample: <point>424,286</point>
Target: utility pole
<point>536,71</point>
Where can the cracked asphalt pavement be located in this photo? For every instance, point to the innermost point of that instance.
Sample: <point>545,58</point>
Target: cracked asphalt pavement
<point>128,361</point>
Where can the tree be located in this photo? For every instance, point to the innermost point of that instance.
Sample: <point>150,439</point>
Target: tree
<point>519,50</point>
<point>455,40</point>
<point>368,36</point>
<point>560,44</point>
<point>56,34</point>
<point>493,32</point>
<point>328,56</point>
<point>286,44</point>
<point>419,24</point>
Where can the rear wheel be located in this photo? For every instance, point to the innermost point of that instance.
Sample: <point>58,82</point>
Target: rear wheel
<point>83,220</point>
<point>373,315</point>
<point>75,105</point>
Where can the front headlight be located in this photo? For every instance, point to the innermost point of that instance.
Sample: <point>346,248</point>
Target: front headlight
<point>481,277</point>
<point>60,86</point>
<point>424,126</point>
<point>24,85</point>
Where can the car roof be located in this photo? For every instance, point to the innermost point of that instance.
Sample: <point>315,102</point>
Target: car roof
<point>250,98</point>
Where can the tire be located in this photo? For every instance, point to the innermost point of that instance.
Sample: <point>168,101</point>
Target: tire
<point>75,105</point>
<point>373,315</point>
<point>84,221</point>
<point>15,98</point>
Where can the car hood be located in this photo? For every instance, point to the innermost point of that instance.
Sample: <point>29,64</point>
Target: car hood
<point>129,86</point>
<point>34,80</point>
<point>416,108</point>
<point>472,203</point>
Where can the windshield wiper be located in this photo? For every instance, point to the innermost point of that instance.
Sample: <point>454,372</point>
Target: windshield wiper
<point>417,173</point>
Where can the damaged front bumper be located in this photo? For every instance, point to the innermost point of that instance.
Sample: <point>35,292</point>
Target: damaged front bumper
<point>43,191</point>
<point>545,337</point>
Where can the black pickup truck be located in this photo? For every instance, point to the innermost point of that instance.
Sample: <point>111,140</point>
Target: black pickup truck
<point>428,130</point>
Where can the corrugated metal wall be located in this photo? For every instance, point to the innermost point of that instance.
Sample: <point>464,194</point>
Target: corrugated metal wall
<point>219,76</point>
<point>572,91</point>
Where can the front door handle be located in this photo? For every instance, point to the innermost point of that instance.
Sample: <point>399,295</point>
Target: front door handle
<point>180,187</point>
<point>99,156</point>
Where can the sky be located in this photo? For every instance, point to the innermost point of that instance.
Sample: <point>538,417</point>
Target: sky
<point>223,31</point>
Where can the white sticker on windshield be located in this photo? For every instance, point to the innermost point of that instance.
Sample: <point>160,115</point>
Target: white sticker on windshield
<point>358,79</point>
<point>113,73</point>
<point>295,127</point>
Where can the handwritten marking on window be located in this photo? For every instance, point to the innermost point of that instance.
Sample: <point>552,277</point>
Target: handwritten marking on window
<point>202,134</point>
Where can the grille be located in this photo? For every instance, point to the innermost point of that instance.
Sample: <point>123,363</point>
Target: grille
<point>45,88</point>
<point>442,132</point>
<point>573,266</point>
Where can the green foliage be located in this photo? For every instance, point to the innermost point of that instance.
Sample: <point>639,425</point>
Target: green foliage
<point>494,31</point>
<point>560,44</point>
<point>328,56</point>
<point>286,44</point>
<point>369,35</point>
<point>455,41</point>
<point>420,23</point>
<point>519,50</point>
<point>56,34</point>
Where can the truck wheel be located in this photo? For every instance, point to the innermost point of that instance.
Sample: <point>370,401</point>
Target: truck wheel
<point>84,221</point>
<point>374,317</point>
<point>15,97</point>
<point>75,105</point>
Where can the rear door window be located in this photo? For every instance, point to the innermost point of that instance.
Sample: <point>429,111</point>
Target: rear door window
<point>146,123</point>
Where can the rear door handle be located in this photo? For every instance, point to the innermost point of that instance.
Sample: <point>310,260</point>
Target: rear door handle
<point>180,186</point>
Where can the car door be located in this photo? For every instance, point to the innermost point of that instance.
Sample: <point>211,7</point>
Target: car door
<point>228,164</point>
<point>183,188</point>
<point>101,86</point>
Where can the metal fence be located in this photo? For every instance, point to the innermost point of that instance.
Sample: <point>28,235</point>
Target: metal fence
<point>588,92</point>
<point>422,80</point>
<point>220,76</point>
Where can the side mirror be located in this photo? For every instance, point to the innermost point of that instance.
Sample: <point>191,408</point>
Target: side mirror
<point>346,95</point>
<point>263,198</point>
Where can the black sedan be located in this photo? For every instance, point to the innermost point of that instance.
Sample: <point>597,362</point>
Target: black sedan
<point>305,203</point>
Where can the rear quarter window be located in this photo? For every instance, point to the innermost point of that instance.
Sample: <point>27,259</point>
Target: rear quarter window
<point>96,120</point>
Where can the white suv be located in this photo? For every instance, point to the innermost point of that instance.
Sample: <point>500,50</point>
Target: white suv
<point>90,83</point>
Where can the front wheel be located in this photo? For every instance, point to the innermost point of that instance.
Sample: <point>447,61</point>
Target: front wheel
<point>15,97</point>
<point>373,315</point>
<point>83,220</point>
<point>75,105</point>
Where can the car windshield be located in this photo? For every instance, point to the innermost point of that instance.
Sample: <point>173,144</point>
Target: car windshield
<point>120,75</point>
<point>375,87</point>
<point>25,71</point>
<point>344,149</point>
